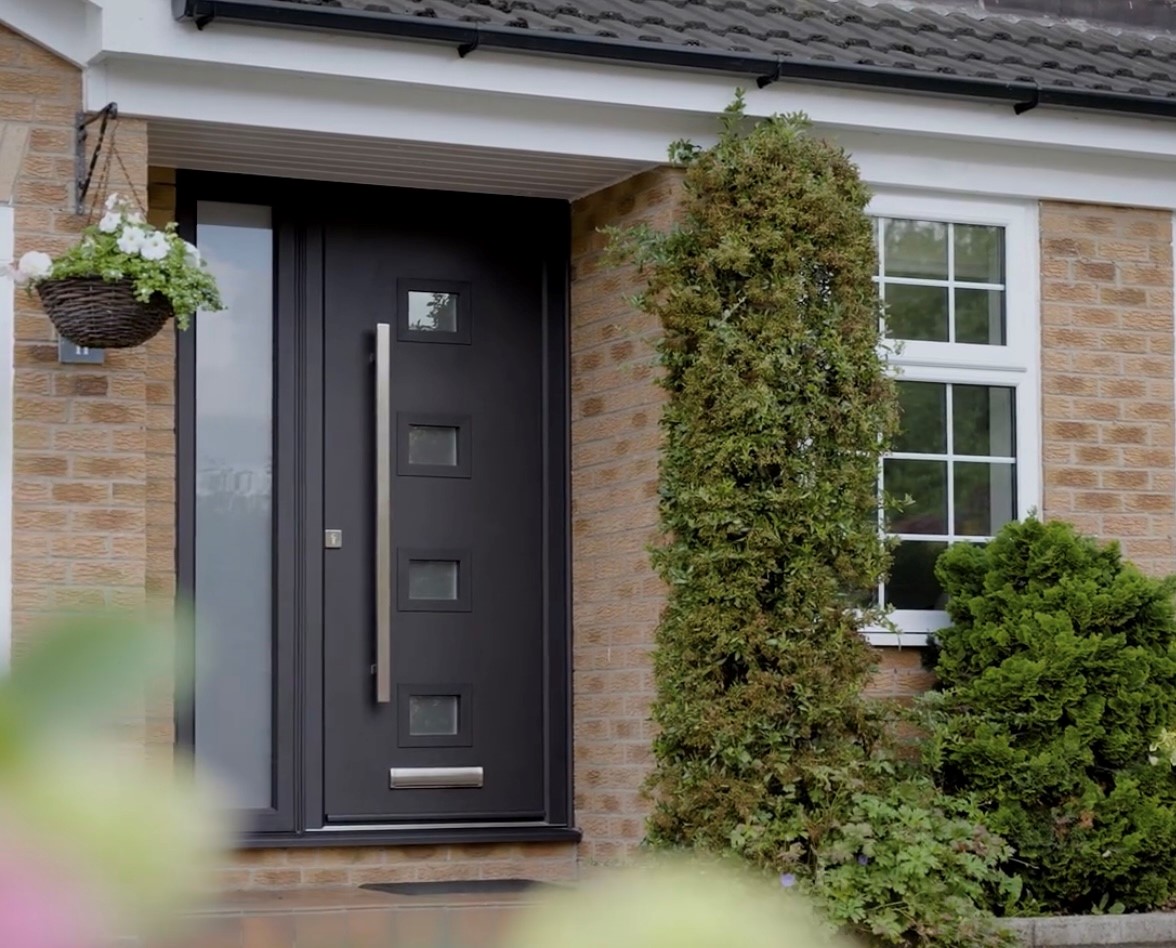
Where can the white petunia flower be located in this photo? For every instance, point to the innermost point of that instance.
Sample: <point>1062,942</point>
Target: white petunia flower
<point>191,254</point>
<point>111,221</point>
<point>154,247</point>
<point>131,240</point>
<point>113,202</point>
<point>134,217</point>
<point>35,265</point>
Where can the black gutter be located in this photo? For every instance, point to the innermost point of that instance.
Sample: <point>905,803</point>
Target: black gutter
<point>766,69</point>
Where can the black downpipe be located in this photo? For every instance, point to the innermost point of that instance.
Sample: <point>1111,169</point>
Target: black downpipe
<point>766,69</point>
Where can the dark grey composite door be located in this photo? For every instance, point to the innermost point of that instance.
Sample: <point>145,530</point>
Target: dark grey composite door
<point>433,587</point>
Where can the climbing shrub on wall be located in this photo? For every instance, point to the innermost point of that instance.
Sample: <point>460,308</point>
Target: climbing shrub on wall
<point>779,409</point>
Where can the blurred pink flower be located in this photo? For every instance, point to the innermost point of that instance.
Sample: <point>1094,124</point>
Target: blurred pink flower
<point>43,909</point>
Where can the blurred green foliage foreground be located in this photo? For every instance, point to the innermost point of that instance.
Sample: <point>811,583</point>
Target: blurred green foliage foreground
<point>96,840</point>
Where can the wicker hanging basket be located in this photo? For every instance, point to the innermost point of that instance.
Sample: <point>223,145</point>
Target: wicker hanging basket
<point>90,312</point>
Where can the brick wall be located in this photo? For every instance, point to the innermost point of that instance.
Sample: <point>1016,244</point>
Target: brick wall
<point>79,452</point>
<point>616,598</point>
<point>1107,376</point>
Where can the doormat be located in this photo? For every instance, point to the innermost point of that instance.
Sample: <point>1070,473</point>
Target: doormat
<point>461,887</point>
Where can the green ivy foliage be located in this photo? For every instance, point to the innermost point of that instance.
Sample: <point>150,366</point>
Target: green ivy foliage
<point>1058,676</point>
<point>779,409</point>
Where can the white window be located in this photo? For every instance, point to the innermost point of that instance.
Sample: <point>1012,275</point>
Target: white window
<point>959,279</point>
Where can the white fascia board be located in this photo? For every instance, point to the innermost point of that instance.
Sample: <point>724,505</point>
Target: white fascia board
<point>146,28</point>
<point>335,106</point>
<point>69,28</point>
<point>331,105</point>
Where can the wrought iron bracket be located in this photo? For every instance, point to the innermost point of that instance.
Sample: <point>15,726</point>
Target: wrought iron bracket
<point>83,170</point>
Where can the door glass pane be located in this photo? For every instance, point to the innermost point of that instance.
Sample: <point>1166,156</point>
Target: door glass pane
<point>432,579</point>
<point>432,312</point>
<point>234,424</point>
<point>431,715</point>
<point>432,444</point>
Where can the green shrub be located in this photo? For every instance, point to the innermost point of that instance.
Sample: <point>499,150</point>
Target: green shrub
<point>1057,676</point>
<point>779,410</point>
<point>907,867</point>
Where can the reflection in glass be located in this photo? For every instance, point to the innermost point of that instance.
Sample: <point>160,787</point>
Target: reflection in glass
<point>979,253</point>
<point>234,425</point>
<point>983,420</point>
<point>979,317</point>
<point>916,312</point>
<point>985,497</point>
<point>432,312</point>
<point>923,414</point>
<point>433,715</point>
<point>916,249</point>
<point>432,444</point>
<point>432,579</point>
<point>925,482</point>
<point>912,583</point>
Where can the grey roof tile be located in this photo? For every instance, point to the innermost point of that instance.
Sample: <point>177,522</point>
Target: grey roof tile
<point>928,36</point>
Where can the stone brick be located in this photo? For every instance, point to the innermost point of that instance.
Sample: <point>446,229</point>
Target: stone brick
<point>1108,463</point>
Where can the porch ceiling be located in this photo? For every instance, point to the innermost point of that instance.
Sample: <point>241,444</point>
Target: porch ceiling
<point>208,146</point>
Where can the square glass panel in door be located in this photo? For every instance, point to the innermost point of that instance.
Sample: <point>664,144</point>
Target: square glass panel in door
<point>432,445</point>
<point>429,445</point>
<point>433,581</point>
<point>433,715</point>
<point>234,639</point>
<point>433,311</point>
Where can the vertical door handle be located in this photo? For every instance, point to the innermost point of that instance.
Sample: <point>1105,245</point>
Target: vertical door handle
<point>383,513</point>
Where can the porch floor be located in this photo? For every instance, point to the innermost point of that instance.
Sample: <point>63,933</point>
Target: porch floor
<point>351,918</point>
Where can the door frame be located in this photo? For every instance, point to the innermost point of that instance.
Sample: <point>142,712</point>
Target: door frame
<point>297,815</point>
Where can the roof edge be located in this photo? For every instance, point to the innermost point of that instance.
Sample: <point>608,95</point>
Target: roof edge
<point>467,37</point>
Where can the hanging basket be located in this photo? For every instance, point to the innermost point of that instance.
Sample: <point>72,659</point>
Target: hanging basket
<point>90,312</point>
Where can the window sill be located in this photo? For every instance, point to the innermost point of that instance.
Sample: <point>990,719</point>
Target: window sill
<point>427,836</point>
<point>897,640</point>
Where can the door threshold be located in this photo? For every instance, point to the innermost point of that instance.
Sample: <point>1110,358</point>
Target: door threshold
<point>416,835</point>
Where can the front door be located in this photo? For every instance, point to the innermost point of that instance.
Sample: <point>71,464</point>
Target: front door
<point>435,507</point>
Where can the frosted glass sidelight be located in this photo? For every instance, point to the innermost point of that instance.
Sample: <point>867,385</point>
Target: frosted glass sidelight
<point>234,463</point>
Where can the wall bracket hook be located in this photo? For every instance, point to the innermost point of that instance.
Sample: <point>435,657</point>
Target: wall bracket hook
<point>85,171</point>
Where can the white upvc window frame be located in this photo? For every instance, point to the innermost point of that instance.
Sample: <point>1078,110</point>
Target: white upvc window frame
<point>1015,365</point>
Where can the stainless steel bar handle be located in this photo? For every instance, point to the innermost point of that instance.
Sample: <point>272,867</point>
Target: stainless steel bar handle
<point>383,513</point>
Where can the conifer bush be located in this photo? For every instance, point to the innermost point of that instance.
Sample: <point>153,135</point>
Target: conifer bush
<point>1058,682</point>
<point>779,408</point>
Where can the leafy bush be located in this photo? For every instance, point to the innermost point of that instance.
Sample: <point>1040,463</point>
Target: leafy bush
<point>1058,677</point>
<point>907,867</point>
<point>779,409</point>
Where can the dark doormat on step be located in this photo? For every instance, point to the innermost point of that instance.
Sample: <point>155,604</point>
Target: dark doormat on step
<point>460,887</point>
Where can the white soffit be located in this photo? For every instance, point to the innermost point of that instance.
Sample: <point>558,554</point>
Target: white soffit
<point>207,146</point>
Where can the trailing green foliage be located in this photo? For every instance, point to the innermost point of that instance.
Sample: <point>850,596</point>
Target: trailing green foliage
<point>1058,681</point>
<point>779,409</point>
